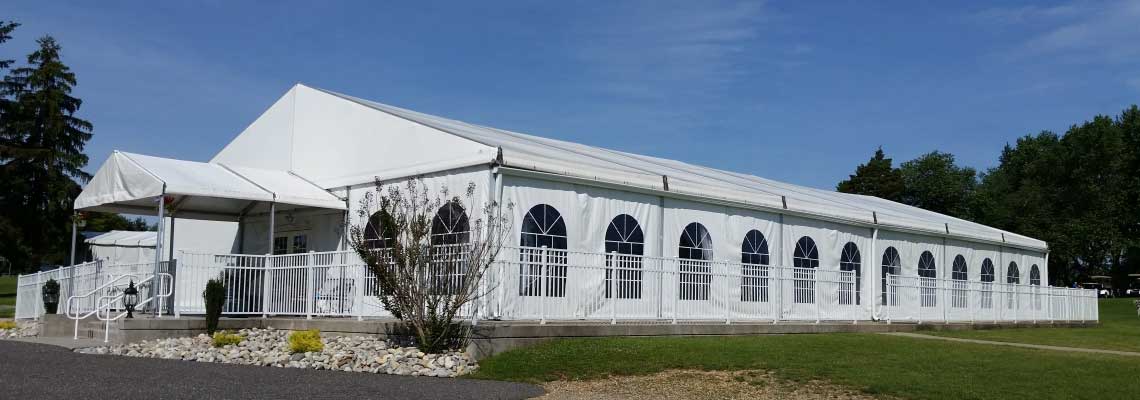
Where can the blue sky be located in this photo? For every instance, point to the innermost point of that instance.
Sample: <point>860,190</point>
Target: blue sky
<point>794,91</point>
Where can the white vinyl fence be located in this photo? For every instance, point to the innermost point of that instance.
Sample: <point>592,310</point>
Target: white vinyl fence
<point>548,284</point>
<point>88,276</point>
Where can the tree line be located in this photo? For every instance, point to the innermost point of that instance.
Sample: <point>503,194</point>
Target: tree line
<point>42,158</point>
<point>1078,191</point>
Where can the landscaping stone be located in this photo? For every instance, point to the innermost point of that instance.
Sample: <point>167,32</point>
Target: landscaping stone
<point>23,329</point>
<point>270,347</point>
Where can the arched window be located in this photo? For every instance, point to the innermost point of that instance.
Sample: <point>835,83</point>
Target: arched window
<point>625,244</point>
<point>927,275</point>
<point>805,260</point>
<point>754,267</point>
<point>958,297</point>
<point>892,265</point>
<point>1012,277</point>
<point>987,277</point>
<point>695,252</point>
<point>544,241</point>
<point>377,235</point>
<point>450,233</point>
<point>987,272</point>
<point>849,279</point>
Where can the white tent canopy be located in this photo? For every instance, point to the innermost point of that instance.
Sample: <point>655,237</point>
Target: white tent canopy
<point>124,247</point>
<point>131,183</point>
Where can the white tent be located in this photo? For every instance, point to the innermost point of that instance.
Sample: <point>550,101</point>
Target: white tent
<point>316,153</point>
<point>123,247</point>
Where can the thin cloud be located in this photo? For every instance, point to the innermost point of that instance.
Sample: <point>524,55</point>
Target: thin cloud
<point>657,50</point>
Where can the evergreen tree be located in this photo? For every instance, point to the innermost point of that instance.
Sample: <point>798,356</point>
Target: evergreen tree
<point>875,178</point>
<point>43,153</point>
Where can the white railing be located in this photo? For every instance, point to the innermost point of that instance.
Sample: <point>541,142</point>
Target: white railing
<point>110,307</point>
<point>88,276</point>
<point>544,284</point>
<point>547,284</point>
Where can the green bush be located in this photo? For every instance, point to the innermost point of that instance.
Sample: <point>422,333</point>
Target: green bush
<point>305,341</point>
<point>215,297</point>
<point>4,325</point>
<point>221,339</point>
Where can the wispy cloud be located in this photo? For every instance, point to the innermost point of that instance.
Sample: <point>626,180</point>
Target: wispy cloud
<point>1079,31</point>
<point>657,49</point>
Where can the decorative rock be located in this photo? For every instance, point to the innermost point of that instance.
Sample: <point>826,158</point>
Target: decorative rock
<point>269,347</point>
<point>23,329</point>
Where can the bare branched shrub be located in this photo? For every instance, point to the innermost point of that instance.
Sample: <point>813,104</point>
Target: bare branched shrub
<point>429,256</point>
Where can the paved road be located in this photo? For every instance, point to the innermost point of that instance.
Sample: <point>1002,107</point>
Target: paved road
<point>37,371</point>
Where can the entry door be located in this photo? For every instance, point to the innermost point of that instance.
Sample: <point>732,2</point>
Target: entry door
<point>291,243</point>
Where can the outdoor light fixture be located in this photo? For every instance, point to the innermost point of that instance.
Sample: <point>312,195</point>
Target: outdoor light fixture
<point>130,298</point>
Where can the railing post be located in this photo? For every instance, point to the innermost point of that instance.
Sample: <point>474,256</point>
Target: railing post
<point>727,299</point>
<point>941,285</point>
<point>37,300</point>
<point>614,263</point>
<point>358,287</point>
<point>310,297</point>
<point>815,298</point>
<point>887,288</point>
<point>677,286</point>
<point>774,283</point>
<point>265,285</point>
<point>542,286</point>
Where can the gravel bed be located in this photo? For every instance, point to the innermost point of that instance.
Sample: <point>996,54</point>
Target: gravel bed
<point>23,329</point>
<point>270,347</point>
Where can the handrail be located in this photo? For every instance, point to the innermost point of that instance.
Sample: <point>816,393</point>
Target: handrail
<point>109,283</point>
<point>164,278</point>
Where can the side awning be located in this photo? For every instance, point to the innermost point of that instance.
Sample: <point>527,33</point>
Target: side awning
<point>132,183</point>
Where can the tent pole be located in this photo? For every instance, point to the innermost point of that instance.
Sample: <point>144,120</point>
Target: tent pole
<point>170,251</point>
<point>155,281</point>
<point>71,271</point>
<point>272,225</point>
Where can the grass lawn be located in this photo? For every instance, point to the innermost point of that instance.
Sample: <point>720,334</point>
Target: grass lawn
<point>1119,330</point>
<point>894,366</point>
<point>7,296</point>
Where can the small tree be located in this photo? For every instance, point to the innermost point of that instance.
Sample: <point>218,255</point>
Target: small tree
<point>215,298</point>
<point>428,256</point>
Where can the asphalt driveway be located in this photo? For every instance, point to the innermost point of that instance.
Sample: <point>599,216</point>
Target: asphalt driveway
<point>37,371</point>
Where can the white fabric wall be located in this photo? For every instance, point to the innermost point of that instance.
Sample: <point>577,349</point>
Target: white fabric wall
<point>122,254</point>
<point>830,238</point>
<point>455,181</point>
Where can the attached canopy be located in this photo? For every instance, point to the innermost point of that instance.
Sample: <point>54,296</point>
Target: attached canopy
<point>131,183</point>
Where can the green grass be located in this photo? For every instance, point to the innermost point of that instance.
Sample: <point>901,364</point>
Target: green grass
<point>889,365</point>
<point>7,296</point>
<point>1119,330</point>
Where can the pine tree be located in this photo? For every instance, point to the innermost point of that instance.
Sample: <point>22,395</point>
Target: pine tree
<point>875,178</point>
<point>43,154</point>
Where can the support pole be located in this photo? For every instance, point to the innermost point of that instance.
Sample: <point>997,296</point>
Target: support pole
<point>71,270</point>
<point>155,281</point>
<point>272,225</point>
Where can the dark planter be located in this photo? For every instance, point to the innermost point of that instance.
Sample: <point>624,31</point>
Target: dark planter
<point>51,296</point>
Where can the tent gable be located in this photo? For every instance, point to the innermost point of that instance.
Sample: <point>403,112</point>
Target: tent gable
<point>267,142</point>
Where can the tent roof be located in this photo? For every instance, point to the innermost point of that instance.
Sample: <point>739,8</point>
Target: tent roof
<point>594,163</point>
<point>129,183</point>
<point>124,238</point>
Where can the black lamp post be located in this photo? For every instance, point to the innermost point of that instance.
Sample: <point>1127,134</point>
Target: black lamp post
<point>130,298</point>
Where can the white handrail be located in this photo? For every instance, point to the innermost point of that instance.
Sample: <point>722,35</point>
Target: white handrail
<point>94,311</point>
<point>106,306</point>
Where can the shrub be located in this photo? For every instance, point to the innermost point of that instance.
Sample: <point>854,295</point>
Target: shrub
<point>221,339</point>
<point>215,297</point>
<point>305,341</point>
<point>5,325</point>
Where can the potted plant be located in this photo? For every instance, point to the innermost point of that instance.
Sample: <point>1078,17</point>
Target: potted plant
<point>51,296</point>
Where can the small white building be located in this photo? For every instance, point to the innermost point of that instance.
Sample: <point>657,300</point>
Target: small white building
<point>706,243</point>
